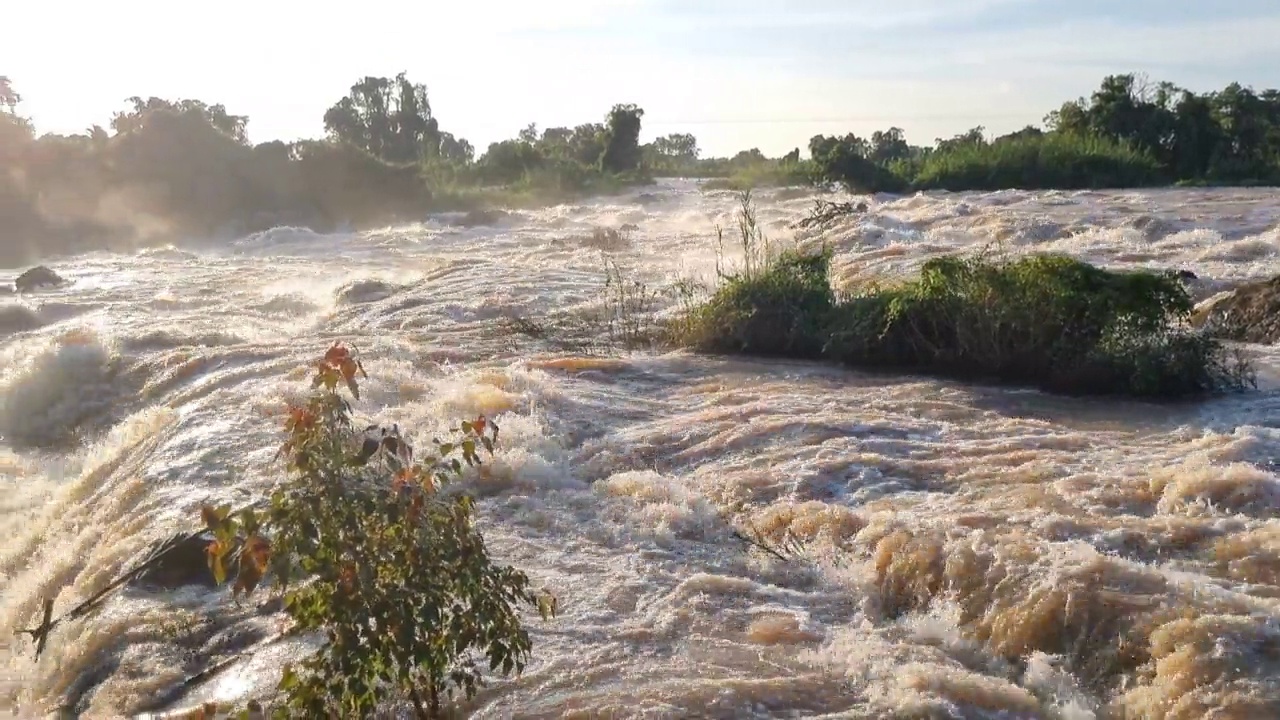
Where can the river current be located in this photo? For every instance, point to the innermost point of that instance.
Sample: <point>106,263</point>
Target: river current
<point>968,551</point>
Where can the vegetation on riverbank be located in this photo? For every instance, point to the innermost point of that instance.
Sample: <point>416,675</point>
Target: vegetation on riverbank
<point>1129,133</point>
<point>172,169</point>
<point>166,170</point>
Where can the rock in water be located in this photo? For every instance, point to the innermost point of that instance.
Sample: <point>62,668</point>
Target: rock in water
<point>36,278</point>
<point>477,218</point>
<point>1250,313</point>
<point>185,563</point>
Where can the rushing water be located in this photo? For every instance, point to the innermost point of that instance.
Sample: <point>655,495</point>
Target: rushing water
<point>973,551</point>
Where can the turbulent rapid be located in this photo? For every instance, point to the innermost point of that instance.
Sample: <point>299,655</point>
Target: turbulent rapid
<point>964,551</point>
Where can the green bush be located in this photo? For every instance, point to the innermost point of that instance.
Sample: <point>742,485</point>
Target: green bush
<point>778,311</point>
<point>1049,321</point>
<point>774,304</point>
<point>373,551</point>
<point>1051,160</point>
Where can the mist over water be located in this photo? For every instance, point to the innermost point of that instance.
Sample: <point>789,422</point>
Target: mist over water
<point>972,551</point>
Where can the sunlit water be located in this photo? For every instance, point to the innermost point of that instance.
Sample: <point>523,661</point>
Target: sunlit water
<point>973,551</point>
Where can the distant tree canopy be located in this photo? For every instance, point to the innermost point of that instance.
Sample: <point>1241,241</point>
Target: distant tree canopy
<point>680,147</point>
<point>165,167</point>
<point>132,120</point>
<point>389,118</point>
<point>1231,134</point>
<point>1129,132</point>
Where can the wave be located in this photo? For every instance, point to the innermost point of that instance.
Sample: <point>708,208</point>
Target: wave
<point>52,392</point>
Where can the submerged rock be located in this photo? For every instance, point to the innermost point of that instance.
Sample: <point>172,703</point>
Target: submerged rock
<point>363,291</point>
<point>485,217</point>
<point>36,278</point>
<point>1250,313</point>
<point>184,564</point>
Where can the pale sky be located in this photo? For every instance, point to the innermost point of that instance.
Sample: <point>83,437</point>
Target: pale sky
<point>736,73</point>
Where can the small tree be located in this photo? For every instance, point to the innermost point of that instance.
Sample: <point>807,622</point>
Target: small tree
<point>393,571</point>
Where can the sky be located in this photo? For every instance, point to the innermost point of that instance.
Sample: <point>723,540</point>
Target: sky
<point>737,74</point>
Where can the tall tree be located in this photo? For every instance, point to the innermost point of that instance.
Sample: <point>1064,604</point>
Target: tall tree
<point>386,117</point>
<point>889,145</point>
<point>622,139</point>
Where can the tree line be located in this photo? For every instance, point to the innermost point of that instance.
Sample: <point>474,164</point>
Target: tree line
<point>1129,133</point>
<point>166,169</point>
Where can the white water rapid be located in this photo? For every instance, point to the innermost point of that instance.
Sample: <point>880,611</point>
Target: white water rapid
<point>976,552</point>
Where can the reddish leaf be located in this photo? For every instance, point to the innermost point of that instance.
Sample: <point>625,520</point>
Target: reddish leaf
<point>337,354</point>
<point>257,551</point>
<point>216,551</point>
<point>347,578</point>
<point>210,517</point>
<point>247,580</point>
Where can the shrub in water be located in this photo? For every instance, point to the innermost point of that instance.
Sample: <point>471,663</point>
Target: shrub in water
<point>392,570</point>
<point>1050,321</point>
<point>781,310</point>
<point>1047,320</point>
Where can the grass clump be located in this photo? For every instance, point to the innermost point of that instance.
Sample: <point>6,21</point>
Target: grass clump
<point>775,303</point>
<point>779,311</point>
<point>1047,321</point>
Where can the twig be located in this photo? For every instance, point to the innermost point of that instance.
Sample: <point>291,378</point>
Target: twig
<point>757,544</point>
<point>825,211</point>
<point>208,673</point>
<point>40,633</point>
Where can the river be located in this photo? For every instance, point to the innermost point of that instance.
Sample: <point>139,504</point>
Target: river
<point>970,551</point>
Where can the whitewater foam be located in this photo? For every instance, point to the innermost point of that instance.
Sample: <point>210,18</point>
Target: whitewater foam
<point>964,551</point>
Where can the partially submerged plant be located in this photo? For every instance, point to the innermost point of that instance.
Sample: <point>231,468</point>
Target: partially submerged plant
<point>371,549</point>
<point>1044,320</point>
